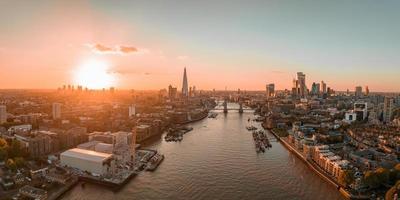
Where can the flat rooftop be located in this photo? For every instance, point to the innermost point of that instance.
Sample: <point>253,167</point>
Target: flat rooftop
<point>86,155</point>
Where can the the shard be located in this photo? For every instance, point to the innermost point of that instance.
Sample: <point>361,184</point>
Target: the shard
<point>185,89</point>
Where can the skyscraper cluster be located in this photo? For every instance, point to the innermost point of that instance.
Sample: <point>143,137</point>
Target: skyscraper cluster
<point>300,89</point>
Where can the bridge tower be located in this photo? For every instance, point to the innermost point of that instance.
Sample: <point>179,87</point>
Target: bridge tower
<point>225,106</point>
<point>241,107</point>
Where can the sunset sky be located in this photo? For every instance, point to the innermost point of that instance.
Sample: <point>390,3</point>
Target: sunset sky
<point>238,44</point>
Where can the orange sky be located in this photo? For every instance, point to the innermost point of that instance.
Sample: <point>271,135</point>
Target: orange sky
<point>42,45</point>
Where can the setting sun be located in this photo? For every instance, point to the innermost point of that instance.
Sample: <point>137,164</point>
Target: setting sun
<point>94,75</point>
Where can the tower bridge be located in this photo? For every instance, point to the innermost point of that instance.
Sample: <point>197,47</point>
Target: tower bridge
<point>226,109</point>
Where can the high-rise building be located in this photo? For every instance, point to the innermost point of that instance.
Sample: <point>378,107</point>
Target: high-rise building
<point>270,88</point>
<point>388,106</point>
<point>323,87</point>
<point>3,114</point>
<point>361,110</point>
<point>194,91</point>
<point>366,91</point>
<point>358,91</point>
<point>315,89</point>
<point>301,80</point>
<point>295,88</point>
<point>56,110</point>
<point>185,87</point>
<point>172,91</point>
<point>132,110</point>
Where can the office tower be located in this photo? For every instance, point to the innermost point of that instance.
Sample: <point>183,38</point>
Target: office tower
<point>56,110</point>
<point>3,114</point>
<point>358,91</point>
<point>388,106</point>
<point>132,110</point>
<point>366,91</point>
<point>315,89</point>
<point>323,87</point>
<point>318,88</point>
<point>194,90</point>
<point>270,88</point>
<point>295,90</point>
<point>361,110</point>
<point>301,80</point>
<point>185,87</point>
<point>172,92</point>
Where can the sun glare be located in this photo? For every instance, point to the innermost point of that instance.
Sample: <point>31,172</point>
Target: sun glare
<point>94,74</point>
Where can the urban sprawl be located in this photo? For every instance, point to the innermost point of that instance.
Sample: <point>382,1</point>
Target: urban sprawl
<point>52,140</point>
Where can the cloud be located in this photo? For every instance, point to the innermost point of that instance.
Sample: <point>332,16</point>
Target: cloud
<point>102,48</point>
<point>126,49</point>
<point>118,49</point>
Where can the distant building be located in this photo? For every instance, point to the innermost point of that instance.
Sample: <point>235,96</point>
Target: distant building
<point>185,86</point>
<point>366,91</point>
<point>323,87</point>
<point>301,79</point>
<point>350,117</point>
<point>132,110</point>
<point>315,89</point>
<point>56,111</point>
<point>358,91</point>
<point>388,106</point>
<point>172,92</point>
<point>270,88</point>
<point>361,109</point>
<point>37,144</point>
<point>3,114</point>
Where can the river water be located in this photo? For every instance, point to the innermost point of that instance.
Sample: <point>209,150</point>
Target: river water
<point>217,160</point>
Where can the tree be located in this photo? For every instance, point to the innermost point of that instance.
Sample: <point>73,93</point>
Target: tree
<point>346,178</point>
<point>371,180</point>
<point>3,143</point>
<point>15,149</point>
<point>382,175</point>
<point>19,161</point>
<point>11,165</point>
<point>3,154</point>
<point>3,149</point>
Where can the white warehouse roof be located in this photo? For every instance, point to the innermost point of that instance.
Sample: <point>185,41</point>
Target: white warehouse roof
<point>86,155</point>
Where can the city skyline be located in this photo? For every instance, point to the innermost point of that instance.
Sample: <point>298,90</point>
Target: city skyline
<point>48,44</point>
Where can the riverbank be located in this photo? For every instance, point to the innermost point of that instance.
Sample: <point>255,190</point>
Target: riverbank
<point>316,168</point>
<point>203,116</point>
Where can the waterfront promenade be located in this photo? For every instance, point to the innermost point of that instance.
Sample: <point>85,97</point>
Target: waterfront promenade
<point>318,170</point>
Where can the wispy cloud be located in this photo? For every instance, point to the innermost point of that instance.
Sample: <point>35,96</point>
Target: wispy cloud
<point>118,49</point>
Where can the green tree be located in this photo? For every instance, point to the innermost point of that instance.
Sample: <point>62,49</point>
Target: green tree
<point>19,161</point>
<point>11,165</point>
<point>3,154</point>
<point>371,180</point>
<point>3,149</point>
<point>346,178</point>
<point>382,175</point>
<point>15,149</point>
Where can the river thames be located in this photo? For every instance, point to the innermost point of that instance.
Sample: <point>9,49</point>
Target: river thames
<point>217,160</point>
